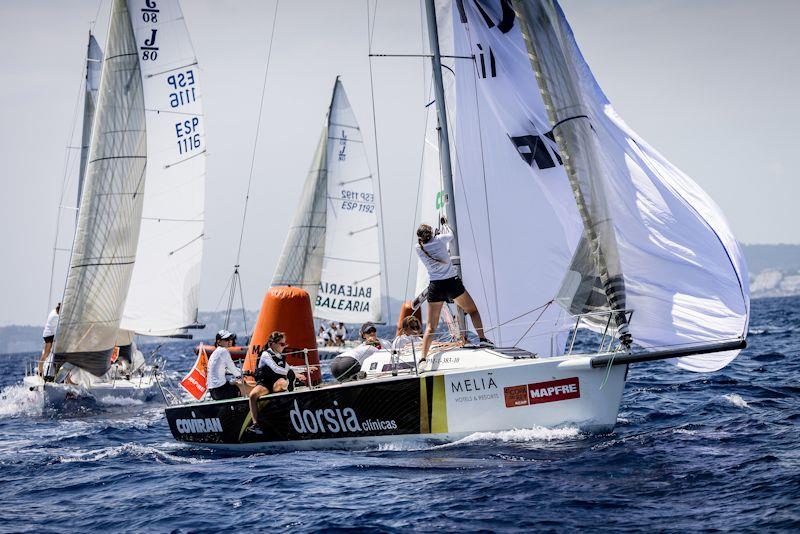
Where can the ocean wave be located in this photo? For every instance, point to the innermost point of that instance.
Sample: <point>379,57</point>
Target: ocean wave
<point>129,450</point>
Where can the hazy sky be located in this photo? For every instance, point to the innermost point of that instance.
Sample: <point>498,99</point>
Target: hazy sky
<point>711,84</point>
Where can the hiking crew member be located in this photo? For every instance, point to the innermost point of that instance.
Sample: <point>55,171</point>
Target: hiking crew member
<point>410,334</point>
<point>48,335</point>
<point>444,285</point>
<point>273,375</point>
<point>347,365</point>
<point>220,364</point>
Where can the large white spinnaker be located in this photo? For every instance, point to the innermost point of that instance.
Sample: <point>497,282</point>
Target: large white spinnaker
<point>683,272</point>
<point>94,64</point>
<point>104,248</point>
<point>335,255</point>
<point>163,296</point>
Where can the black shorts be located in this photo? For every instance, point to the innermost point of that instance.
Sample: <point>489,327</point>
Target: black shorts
<point>225,391</point>
<point>445,290</point>
<point>48,339</point>
<point>266,377</point>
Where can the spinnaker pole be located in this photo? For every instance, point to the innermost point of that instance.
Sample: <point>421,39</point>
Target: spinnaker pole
<point>444,144</point>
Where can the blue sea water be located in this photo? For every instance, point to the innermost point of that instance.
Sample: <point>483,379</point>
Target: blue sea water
<point>689,452</point>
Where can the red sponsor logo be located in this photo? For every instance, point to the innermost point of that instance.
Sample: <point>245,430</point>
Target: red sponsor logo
<point>555,390</point>
<point>516,396</point>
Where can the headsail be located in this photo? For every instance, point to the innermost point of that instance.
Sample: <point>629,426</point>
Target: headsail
<point>164,288</point>
<point>682,271</point>
<point>94,63</point>
<point>335,255</point>
<point>104,248</point>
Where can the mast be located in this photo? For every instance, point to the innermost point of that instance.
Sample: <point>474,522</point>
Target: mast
<point>444,143</point>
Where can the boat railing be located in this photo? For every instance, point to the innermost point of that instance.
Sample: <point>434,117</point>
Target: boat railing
<point>608,330</point>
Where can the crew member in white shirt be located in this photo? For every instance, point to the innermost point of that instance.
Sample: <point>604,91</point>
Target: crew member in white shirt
<point>341,333</point>
<point>445,285</point>
<point>347,365</point>
<point>48,335</point>
<point>220,364</point>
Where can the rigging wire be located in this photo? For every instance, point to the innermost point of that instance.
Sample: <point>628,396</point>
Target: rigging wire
<point>258,128</point>
<point>370,35</point>
<point>236,277</point>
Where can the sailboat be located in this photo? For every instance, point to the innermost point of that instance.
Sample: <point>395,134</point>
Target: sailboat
<point>135,258</point>
<point>565,221</point>
<point>333,247</point>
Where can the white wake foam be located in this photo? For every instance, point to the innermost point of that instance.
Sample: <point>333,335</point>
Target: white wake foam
<point>111,400</point>
<point>19,400</point>
<point>736,400</point>
<point>520,435</point>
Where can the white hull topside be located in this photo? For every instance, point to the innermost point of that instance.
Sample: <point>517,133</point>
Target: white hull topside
<point>112,393</point>
<point>461,392</point>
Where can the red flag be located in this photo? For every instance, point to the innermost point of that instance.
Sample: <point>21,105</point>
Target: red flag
<point>195,381</point>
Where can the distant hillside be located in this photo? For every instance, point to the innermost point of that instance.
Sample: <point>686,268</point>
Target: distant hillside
<point>774,270</point>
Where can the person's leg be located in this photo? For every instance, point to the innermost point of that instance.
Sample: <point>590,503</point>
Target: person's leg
<point>281,384</point>
<point>45,353</point>
<point>465,302</point>
<point>434,311</point>
<point>253,397</point>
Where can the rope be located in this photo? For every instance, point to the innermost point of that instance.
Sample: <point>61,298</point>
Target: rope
<point>377,158</point>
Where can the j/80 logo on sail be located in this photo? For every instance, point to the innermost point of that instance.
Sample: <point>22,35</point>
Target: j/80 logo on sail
<point>334,421</point>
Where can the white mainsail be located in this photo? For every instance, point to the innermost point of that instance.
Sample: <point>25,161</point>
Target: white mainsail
<point>104,248</point>
<point>163,296</point>
<point>682,271</point>
<point>333,248</point>
<point>94,63</point>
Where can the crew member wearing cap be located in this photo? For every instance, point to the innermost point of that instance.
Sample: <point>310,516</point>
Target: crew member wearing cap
<point>347,365</point>
<point>221,364</point>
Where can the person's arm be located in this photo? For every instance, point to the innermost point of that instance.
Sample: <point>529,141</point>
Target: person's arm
<point>231,368</point>
<point>274,366</point>
<point>446,233</point>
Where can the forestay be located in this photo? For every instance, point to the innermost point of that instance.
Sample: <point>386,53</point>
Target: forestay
<point>347,248</point>
<point>107,232</point>
<point>683,273</point>
<point>164,288</point>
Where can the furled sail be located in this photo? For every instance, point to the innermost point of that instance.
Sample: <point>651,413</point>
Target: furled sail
<point>667,251</point>
<point>333,246</point>
<point>104,248</point>
<point>163,296</point>
<point>94,62</point>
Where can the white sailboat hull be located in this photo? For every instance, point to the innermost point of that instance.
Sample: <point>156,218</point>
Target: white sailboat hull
<point>117,393</point>
<point>453,398</point>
